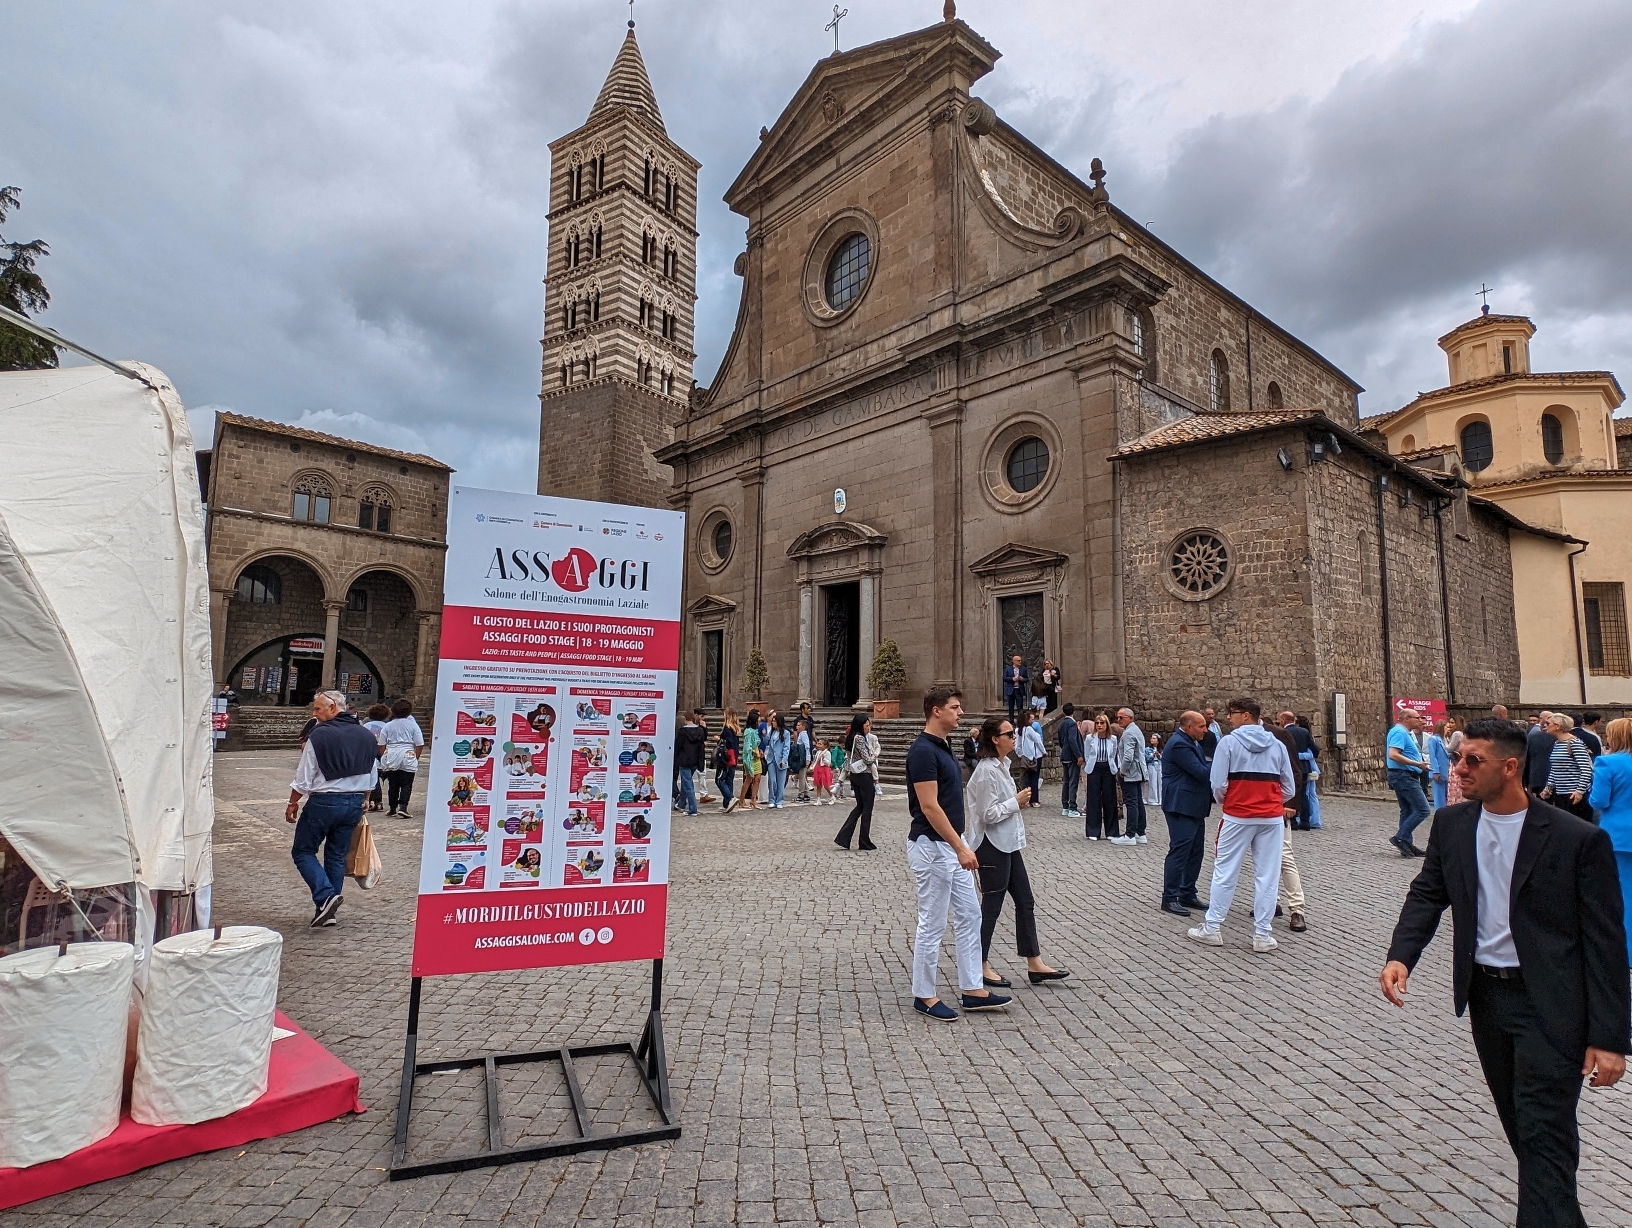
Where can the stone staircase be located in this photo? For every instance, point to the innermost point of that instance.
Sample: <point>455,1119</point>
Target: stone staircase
<point>268,727</point>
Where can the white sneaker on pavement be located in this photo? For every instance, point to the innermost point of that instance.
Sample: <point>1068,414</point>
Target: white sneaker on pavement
<point>1142,839</point>
<point>1122,840</point>
<point>1205,936</point>
<point>1262,944</point>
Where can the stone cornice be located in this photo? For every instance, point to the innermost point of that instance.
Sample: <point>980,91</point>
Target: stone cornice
<point>1479,389</point>
<point>242,513</point>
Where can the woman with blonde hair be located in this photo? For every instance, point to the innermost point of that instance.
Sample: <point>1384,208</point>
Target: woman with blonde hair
<point>1611,797</point>
<point>1453,747</point>
<point>727,754</point>
<point>1569,772</point>
<point>1101,755</point>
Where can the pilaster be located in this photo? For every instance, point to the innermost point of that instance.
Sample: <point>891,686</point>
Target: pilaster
<point>946,450</point>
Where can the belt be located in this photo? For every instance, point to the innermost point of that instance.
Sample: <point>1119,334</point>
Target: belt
<point>1501,974</point>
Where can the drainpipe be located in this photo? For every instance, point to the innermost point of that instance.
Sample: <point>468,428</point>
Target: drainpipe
<point>1445,602</point>
<point>1575,617</point>
<point>1382,592</point>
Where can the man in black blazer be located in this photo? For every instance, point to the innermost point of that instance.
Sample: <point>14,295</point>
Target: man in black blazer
<point>1539,955</point>
<point>1187,800</point>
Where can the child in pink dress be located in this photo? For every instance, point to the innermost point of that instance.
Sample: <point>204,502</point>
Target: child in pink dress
<point>821,775</point>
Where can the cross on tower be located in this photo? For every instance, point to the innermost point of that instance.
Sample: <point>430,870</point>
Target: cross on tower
<point>838,16</point>
<point>1484,290</point>
<point>631,14</point>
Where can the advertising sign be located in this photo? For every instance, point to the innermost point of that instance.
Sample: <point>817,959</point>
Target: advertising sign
<point>547,815</point>
<point>1430,710</point>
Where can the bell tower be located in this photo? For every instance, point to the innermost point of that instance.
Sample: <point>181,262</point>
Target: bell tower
<point>619,299</point>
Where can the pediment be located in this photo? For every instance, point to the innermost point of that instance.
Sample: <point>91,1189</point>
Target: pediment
<point>835,537</point>
<point>710,604</point>
<point>848,90</point>
<point>1015,557</point>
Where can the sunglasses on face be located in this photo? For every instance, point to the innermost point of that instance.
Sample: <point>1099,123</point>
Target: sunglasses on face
<point>1005,733</point>
<point>1472,760</point>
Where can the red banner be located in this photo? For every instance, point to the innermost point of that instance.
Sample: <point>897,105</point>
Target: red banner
<point>472,633</point>
<point>546,929</point>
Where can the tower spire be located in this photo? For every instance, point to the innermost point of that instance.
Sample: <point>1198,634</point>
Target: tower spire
<point>627,85</point>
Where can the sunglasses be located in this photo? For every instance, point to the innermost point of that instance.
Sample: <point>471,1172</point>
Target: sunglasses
<point>1472,760</point>
<point>1005,733</point>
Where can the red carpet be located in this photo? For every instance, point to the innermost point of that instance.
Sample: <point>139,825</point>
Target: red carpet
<point>305,1085</point>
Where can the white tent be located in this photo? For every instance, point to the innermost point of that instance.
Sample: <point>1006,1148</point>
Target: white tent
<point>104,551</point>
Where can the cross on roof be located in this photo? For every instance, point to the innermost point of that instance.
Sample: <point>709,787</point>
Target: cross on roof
<point>838,16</point>
<point>1484,290</point>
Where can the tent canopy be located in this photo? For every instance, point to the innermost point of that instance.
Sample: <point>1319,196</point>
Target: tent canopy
<point>105,536</point>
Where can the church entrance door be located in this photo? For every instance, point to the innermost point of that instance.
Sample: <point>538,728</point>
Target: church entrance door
<point>713,667</point>
<point>843,656</point>
<point>1023,631</point>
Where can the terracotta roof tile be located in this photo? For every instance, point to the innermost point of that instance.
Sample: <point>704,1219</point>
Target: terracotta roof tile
<point>1483,320</point>
<point>1207,426</point>
<point>1378,421</point>
<point>300,432</point>
<point>1571,474</point>
<point>1623,427</point>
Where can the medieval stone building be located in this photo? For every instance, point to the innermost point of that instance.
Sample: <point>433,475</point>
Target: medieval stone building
<point>971,406</point>
<point>326,560</point>
<point>620,296</point>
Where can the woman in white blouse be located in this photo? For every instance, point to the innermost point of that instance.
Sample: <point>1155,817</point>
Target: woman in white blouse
<point>995,830</point>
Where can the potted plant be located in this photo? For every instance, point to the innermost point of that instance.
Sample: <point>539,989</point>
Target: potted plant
<point>886,677</point>
<point>756,675</point>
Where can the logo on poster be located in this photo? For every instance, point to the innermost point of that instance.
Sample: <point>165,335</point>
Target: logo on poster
<point>572,572</point>
<point>586,936</point>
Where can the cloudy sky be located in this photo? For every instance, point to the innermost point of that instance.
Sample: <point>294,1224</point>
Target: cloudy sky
<point>333,214</point>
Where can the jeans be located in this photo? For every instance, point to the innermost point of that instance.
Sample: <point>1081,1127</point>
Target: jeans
<point>1535,1089</point>
<point>1005,874</point>
<point>1018,703</point>
<point>1264,838</point>
<point>1408,792</point>
<point>688,791</point>
<point>1101,806</point>
<point>1186,842</point>
<point>1070,778</point>
<point>725,778</point>
<point>776,783</point>
<point>402,788</point>
<point>327,819</point>
<point>942,883</point>
<point>862,782</point>
<point>1133,800</point>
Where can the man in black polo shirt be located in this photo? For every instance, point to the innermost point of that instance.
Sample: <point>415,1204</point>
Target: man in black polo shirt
<point>942,863</point>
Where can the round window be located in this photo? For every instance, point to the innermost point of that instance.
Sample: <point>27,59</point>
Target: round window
<point>722,540</point>
<point>847,271</point>
<point>1027,465</point>
<point>1199,563</point>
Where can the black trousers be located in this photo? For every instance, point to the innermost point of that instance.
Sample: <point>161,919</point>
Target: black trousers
<point>402,787</point>
<point>1005,874</point>
<point>1186,842</point>
<point>862,812</point>
<point>1032,778</point>
<point>1535,1088</point>
<point>1133,797</point>
<point>1018,704</point>
<point>1101,805</point>
<point>1300,800</point>
<point>1070,778</point>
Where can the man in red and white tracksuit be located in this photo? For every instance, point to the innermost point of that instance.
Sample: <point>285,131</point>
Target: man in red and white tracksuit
<point>1252,780</point>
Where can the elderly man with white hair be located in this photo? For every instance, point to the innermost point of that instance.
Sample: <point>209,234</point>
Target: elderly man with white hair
<point>338,766</point>
<point>1132,777</point>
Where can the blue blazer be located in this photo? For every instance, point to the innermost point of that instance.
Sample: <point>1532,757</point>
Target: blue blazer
<point>1070,739</point>
<point>1011,687</point>
<point>1187,787</point>
<point>1439,758</point>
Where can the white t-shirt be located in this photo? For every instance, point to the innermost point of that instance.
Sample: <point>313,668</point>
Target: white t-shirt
<point>1497,842</point>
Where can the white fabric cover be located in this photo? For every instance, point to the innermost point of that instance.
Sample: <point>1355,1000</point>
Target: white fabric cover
<point>100,494</point>
<point>63,1021</point>
<point>205,1039</point>
<point>43,709</point>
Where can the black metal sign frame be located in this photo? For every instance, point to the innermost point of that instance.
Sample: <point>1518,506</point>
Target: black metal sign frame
<point>651,1064</point>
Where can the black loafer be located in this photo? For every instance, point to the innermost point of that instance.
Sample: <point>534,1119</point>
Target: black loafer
<point>1197,904</point>
<point>1059,974</point>
<point>1178,910</point>
<point>1001,982</point>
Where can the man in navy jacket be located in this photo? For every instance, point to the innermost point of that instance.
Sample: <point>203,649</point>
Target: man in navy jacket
<point>1187,800</point>
<point>1070,737</point>
<point>1017,689</point>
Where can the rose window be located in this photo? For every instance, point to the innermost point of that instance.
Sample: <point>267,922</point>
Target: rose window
<point>1199,563</point>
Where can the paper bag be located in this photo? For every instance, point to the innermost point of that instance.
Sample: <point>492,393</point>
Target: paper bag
<point>363,859</point>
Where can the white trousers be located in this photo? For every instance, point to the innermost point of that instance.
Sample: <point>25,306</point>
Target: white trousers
<point>1264,837</point>
<point>943,883</point>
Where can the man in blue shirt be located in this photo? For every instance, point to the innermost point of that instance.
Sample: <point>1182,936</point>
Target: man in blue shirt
<point>1405,768</point>
<point>942,863</point>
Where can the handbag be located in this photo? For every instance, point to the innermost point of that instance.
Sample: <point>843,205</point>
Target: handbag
<point>363,858</point>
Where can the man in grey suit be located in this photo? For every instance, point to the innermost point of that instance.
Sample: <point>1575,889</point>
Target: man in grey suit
<point>1132,774</point>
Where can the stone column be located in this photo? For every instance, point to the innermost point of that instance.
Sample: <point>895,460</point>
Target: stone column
<point>869,635</point>
<point>946,449</point>
<point>752,478</point>
<point>807,637</point>
<point>331,641</point>
<point>425,658</point>
<point>220,602</point>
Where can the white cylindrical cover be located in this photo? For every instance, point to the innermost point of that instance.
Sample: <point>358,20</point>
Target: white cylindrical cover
<point>63,1021</point>
<point>205,1039</point>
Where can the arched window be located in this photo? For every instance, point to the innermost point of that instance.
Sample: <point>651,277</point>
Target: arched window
<point>1144,340</point>
<point>312,495</point>
<point>1478,448</point>
<point>1218,383</point>
<point>847,271</point>
<point>374,511</point>
<point>260,585</point>
<point>1272,394</point>
<point>1552,439</point>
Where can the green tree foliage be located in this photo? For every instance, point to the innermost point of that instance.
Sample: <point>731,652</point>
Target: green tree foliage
<point>756,674</point>
<point>889,672</point>
<point>22,290</point>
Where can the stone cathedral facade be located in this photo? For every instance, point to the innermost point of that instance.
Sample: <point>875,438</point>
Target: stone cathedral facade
<point>972,406</point>
<point>620,294</point>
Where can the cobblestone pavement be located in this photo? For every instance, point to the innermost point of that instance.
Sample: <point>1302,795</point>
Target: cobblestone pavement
<point>1163,1084</point>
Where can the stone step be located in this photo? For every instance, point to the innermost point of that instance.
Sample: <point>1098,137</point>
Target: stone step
<point>270,727</point>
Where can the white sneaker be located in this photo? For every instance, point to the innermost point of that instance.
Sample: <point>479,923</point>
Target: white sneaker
<point>1123,840</point>
<point>1262,944</point>
<point>732,804</point>
<point>1142,839</point>
<point>1210,938</point>
<point>1095,839</point>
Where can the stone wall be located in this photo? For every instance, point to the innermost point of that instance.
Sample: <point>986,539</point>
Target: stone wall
<point>597,442</point>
